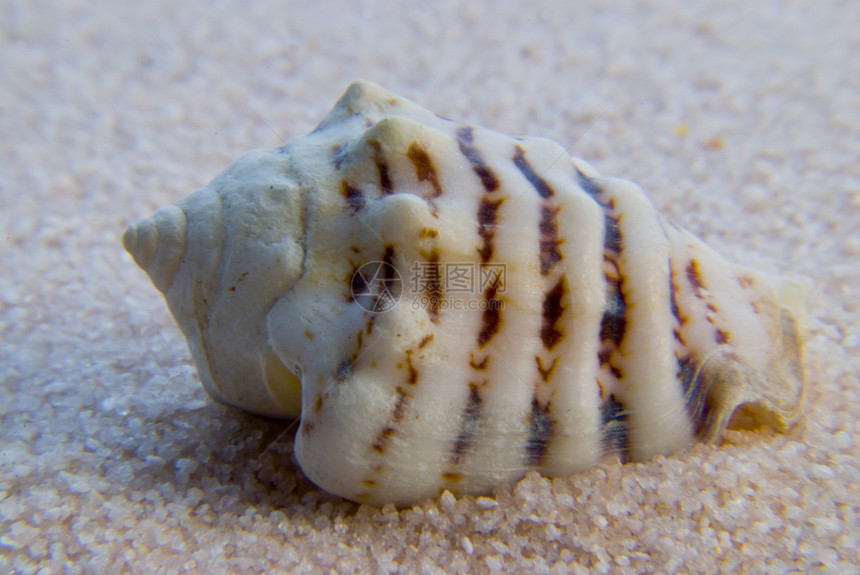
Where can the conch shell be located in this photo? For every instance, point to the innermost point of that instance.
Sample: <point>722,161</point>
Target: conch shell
<point>447,307</point>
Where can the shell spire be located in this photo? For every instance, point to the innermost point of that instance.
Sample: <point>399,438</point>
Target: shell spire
<point>157,244</point>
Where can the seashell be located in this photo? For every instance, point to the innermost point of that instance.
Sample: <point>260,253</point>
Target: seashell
<point>446,307</point>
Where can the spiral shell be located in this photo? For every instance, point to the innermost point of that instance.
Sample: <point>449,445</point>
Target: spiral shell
<point>446,307</point>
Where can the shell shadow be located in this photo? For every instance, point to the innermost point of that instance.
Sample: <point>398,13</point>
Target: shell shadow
<point>238,461</point>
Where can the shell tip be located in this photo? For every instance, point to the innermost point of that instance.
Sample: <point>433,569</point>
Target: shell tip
<point>157,243</point>
<point>129,240</point>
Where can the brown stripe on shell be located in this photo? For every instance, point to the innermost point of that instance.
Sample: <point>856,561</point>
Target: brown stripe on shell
<point>388,260</point>
<point>433,285</point>
<point>400,407</point>
<point>425,171</point>
<point>357,283</point>
<point>686,367</point>
<point>353,196</point>
<point>541,425</point>
<point>309,417</point>
<point>545,372</point>
<point>549,242</point>
<point>588,185</point>
<point>605,357</point>
<point>529,173</point>
<point>612,233</point>
<point>412,373</point>
<point>479,165</point>
<point>346,366</point>
<point>369,482</point>
<point>487,212</point>
<point>613,324</point>
<point>380,444</point>
<point>381,441</point>
<point>552,311</point>
<point>385,185</point>
<point>695,278</point>
<point>541,429</point>
<point>492,317</point>
<point>614,428</point>
<point>611,230</point>
<point>481,365</point>
<point>673,290</point>
<point>680,319</point>
<point>469,421</point>
<point>487,220</point>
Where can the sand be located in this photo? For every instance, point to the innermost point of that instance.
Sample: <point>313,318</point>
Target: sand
<point>741,122</point>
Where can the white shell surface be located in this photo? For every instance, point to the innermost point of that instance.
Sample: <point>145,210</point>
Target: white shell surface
<point>590,327</point>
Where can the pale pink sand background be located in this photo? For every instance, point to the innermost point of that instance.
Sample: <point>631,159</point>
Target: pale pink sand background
<point>742,123</point>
